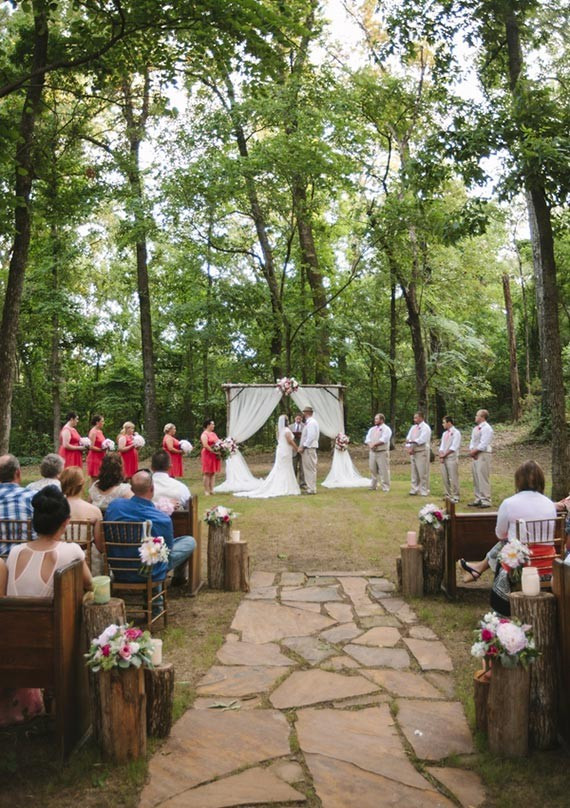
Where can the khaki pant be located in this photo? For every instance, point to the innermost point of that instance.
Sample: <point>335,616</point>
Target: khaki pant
<point>309,460</point>
<point>450,476</point>
<point>482,478</point>
<point>420,471</point>
<point>379,465</point>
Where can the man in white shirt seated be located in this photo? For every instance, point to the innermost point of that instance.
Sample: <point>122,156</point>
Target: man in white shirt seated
<point>166,486</point>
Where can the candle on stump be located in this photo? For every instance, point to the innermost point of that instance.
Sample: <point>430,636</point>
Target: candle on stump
<point>156,652</point>
<point>101,589</point>
<point>411,538</point>
<point>530,582</point>
<point>234,535</point>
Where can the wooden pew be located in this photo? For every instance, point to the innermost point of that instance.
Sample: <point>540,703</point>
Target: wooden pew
<point>561,590</point>
<point>187,523</point>
<point>42,646</point>
<point>467,535</point>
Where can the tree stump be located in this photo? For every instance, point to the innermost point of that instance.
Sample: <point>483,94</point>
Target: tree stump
<point>540,613</point>
<point>412,570</point>
<point>119,713</point>
<point>480,698</point>
<point>433,542</point>
<point>97,616</point>
<point>236,566</point>
<point>399,573</point>
<point>508,711</point>
<point>561,590</point>
<point>159,687</point>
<point>217,537</point>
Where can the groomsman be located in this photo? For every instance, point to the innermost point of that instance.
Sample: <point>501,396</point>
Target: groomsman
<point>308,448</point>
<point>418,447</point>
<point>480,450</point>
<point>297,430</point>
<point>449,458</point>
<point>378,442</point>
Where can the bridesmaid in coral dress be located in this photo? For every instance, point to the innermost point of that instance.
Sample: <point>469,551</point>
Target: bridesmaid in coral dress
<point>211,462</point>
<point>172,446</point>
<point>129,454</point>
<point>70,447</point>
<point>96,451</point>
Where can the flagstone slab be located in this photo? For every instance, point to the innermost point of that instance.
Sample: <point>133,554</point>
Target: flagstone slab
<point>434,733</point>
<point>400,608</point>
<point>232,637</point>
<point>380,620</point>
<point>365,610</point>
<point>422,633</point>
<point>463,784</point>
<point>443,681</point>
<point>235,680</point>
<point>355,588</point>
<point>366,738</point>
<point>321,580</point>
<point>380,588</point>
<point>288,770</point>
<point>339,663</point>
<point>362,701</point>
<point>262,593</point>
<point>312,649</point>
<point>311,594</point>
<point>340,784</point>
<point>381,637</point>
<point>252,787</point>
<point>306,607</point>
<point>315,686</point>
<point>341,612</point>
<point>262,622</point>
<point>249,653</point>
<point>260,579</point>
<point>431,654</point>
<point>403,683</point>
<point>218,704</point>
<point>292,579</point>
<point>344,574</point>
<point>205,744</point>
<point>379,657</point>
<point>342,633</point>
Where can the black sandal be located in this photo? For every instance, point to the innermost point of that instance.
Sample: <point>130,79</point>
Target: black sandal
<point>475,574</point>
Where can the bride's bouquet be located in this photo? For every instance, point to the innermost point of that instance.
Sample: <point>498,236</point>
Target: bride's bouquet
<point>138,441</point>
<point>225,448</point>
<point>341,442</point>
<point>186,446</point>
<point>287,385</point>
<point>108,445</point>
<point>85,442</point>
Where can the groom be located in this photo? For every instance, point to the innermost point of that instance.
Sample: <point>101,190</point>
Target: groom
<point>308,450</point>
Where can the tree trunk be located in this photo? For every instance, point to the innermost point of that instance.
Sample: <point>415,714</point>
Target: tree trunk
<point>24,173</point>
<point>119,711</point>
<point>480,699</point>
<point>236,567</point>
<point>514,370</point>
<point>393,375</point>
<point>433,541</point>
<point>507,711</point>
<point>418,347</point>
<point>217,537</point>
<point>159,689</point>
<point>412,571</point>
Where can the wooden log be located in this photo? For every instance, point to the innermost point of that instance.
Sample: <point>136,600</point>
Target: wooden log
<point>540,613</point>
<point>236,566</point>
<point>97,616</point>
<point>508,710</point>
<point>412,570</point>
<point>433,542</point>
<point>217,537</point>
<point>119,711</point>
<point>561,590</point>
<point>480,697</point>
<point>399,572</point>
<point>159,688</point>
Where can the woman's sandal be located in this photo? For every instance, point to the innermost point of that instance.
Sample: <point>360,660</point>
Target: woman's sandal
<point>475,574</point>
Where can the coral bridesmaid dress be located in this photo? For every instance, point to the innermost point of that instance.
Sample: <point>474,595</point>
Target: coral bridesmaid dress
<point>130,458</point>
<point>211,463</point>
<point>94,459</point>
<point>71,457</point>
<point>176,467</point>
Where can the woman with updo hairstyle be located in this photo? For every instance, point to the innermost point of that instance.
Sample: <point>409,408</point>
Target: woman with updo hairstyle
<point>70,447</point>
<point>211,462</point>
<point>96,451</point>
<point>125,445</point>
<point>172,445</point>
<point>110,484</point>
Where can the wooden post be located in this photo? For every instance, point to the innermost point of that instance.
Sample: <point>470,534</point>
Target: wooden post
<point>507,711</point>
<point>561,590</point>
<point>540,613</point>
<point>480,698</point>
<point>217,537</point>
<point>119,712</point>
<point>433,542</point>
<point>97,616</point>
<point>159,687</point>
<point>236,566</point>
<point>412,570</point>
<point>399,572</point>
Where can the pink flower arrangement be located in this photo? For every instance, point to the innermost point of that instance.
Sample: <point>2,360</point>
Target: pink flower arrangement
<point>341,442</point>
<point>508,640</point>
<point>220,515</point>
<point>287,385</point>
<point>120,647</point>
<point>431,515</point>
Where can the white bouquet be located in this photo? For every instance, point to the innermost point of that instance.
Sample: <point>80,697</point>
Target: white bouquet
<point>153,550</point>
<point>138,441</point>
<point>186,446</point>
<point>108,445</point>
<point>85,442</point>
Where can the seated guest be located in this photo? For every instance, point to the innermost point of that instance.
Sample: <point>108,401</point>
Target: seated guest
<point>30,573</point>
<point>140,509</point>
<point>50,469</point>
<point>72,483</point>
<point>15,501</point>
<point>164,484</point>
<point>110,484</point>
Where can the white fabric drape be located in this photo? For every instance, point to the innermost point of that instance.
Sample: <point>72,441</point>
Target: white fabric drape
<point>238,476</point>
<point>343,473</point>
<point>327,407</point>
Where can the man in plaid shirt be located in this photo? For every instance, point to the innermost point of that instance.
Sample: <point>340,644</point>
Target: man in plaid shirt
<point>15,501</point>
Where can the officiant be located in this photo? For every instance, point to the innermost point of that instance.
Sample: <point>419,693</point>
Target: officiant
<point>297,430</point>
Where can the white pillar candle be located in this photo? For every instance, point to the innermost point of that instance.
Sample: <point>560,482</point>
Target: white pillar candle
<point>156,652</point>
<point>234,535</point>
<point>101,589</point>
<point>530,582</point>
<point>411,538</point>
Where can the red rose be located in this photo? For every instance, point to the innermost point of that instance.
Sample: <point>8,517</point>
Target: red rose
<point>106,650</point>
<point>226,518</point>
<point>486,635</point>
<point>438,515</point>
<point>493,651</point>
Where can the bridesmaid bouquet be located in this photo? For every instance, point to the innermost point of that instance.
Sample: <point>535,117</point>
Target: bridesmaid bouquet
<point>341,442</point>
<point>224,448</point>
<point>186,446</point>
<point>138,441</point>
<point>85,442</point>
<point>287,385</point>
<point>108,445</point>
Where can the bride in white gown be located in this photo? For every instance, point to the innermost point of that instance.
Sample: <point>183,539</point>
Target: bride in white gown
<point>281,481</point>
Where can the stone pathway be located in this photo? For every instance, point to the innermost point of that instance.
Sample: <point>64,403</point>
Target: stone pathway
<point>325,686</point>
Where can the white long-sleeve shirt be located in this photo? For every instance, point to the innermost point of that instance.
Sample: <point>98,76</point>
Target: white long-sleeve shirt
<point>527,505</point>
<point>482,437</point>
<point>379,433</point>
<point>310,436</point>
<point>419,434</point>
<point>450,441</point>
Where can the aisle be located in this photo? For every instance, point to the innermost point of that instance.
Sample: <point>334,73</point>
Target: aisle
<point>326,685</point>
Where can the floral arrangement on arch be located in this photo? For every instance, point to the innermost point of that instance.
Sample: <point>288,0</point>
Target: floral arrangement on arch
<point>138,441</point>
<point>153,550</point>
<point>505,639</point>
<point>219,515</point>
<point>287,385</point>
<point>513,556</point>
<point>432,515</point>
<point>341,442</point>
<point>120,647</point>
<point>225,448</point>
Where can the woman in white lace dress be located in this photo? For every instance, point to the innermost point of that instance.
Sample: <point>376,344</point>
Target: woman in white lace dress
<point>281,481</point>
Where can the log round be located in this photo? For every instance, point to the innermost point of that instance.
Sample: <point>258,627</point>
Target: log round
<point>236,566</point>
<point>97,616</point>
<point>412,571</point>
<point>508,710</point>
<point>540,613</point>
<point>433,541</point>
<point>481,685</point>
<point>159,687</point>
<point>217,537</point>
<point>119,713</point>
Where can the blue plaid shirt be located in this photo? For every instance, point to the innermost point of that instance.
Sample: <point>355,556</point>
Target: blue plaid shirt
<point>15,503</point>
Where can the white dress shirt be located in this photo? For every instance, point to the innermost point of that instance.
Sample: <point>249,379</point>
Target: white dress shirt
<point>310,436</point>
<point>482,437</point>
<point>450,441</point>
<point>420,434</point>
<point>166,486</point>
<point>379,433</point>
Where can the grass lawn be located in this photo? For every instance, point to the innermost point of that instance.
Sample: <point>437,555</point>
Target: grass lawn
<point>337,529</point>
